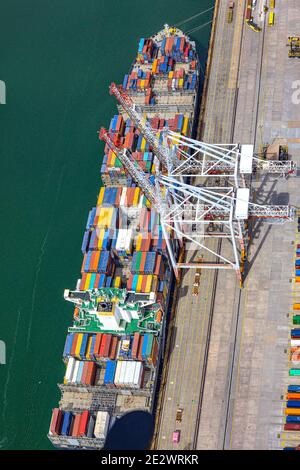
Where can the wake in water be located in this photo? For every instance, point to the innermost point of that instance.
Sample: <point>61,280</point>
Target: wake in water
<point>10,364</point>
<point>40,258</point>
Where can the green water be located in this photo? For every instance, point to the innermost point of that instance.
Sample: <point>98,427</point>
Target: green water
<point>57,60</point>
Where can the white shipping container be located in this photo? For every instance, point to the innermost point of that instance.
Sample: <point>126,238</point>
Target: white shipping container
<point>295,342</point>
<point>75,372</point>
<point>70,369</point>
<point>138,375</point>
<point>79,374</point>
<point>131,373</point>
<point>128,374</point>
<point>101,425</point>
<point>122,373</point>
<point>124,240</point>
<point>123,197</point>
<point>117,374</point>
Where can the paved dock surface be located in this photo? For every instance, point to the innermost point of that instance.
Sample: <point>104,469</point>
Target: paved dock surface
<point>232,391</point>
<point>247,371</point>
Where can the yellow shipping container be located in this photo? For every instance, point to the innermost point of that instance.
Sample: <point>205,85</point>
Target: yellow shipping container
<point>142,83</point>
<point>185,125</point>
<point>113,160</point>
<point>100,239</point>
<point>292,411</point>
<point>78,345</point>
<point>136,196</point>
<point>296,306</point>
<point>143,144</point>
<point>89,347</point>
<point>105,216</point>
<point>139,242</point>
<point>180,82</point>
<point>149,283</point>
<point>271,18</point>
<point>272,3</point>
<point>139,283</point>
<point>154,65</point>
<point>101,196</point>
<point>87,281</point>
<point>117,281</point>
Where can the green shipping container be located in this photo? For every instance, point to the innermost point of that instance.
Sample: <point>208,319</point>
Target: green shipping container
<point>296,320</point>
<point>138,261</point>
<point>149,345</point>
<point>294,372</point>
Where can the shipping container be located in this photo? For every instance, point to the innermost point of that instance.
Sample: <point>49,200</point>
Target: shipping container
<point>101,425</point>
<point>83,423</point>
<point>66,424</point>
<point>76,423</point>
<point>56,422</point>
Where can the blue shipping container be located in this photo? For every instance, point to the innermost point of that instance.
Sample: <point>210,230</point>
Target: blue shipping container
<point>66,423</point>
<point>294,389</point>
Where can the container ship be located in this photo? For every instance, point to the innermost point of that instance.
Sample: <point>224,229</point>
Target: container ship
<point>114,348</point>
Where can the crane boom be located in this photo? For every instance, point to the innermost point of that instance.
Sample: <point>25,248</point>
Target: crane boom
<point>207,160</point>
<point>129,107</point>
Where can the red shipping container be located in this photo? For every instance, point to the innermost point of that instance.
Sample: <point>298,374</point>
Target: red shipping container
<point>97,280</point>
<point>139,354</point>
<point>84,372</point>
<point>83,263</point>
<point>83,423</point>
<point>56,421</point>
<point>129,282</point>
<point>74,343</point>
<point>143,261</point>
<point>91,373</point>
<point>292,427</point>
<point>144,283</point>
<point>82,282</point>
<point>158,265</point>
<point>97,345</point>
<point>135,345</point>
<point>113,348</point>
<point>102,347</point>
<point>107,345</point>
<point>76,423</point>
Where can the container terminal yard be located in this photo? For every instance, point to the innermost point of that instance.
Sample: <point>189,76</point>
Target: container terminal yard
<point>188,297</point>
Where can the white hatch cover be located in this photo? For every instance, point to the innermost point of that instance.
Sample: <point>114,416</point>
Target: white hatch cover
<point>242,203</point>
<point>246,161</point>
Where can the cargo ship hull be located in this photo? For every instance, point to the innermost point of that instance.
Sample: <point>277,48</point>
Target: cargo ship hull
<point>114,348</point>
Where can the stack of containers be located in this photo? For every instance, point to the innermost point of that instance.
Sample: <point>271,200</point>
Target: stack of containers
<point>129,374</point>
<point>65,423</point>
<point>110,373</point>
<point>80,372</point>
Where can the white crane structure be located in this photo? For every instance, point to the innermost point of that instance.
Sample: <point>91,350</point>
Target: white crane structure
<point>187,212</point>
<point>183,157</point>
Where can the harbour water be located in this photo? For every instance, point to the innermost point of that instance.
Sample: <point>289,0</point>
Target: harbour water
<point>58,58</point>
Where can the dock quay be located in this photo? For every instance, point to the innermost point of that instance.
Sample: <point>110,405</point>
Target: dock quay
<point>229,360</point>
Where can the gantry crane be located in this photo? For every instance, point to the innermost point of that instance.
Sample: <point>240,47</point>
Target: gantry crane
<point>187,211</point>
<point>182,156</point>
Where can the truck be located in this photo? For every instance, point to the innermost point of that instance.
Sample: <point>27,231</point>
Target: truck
<point>196,284</point>
<point>179,413</point>
<point>230,12</point>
